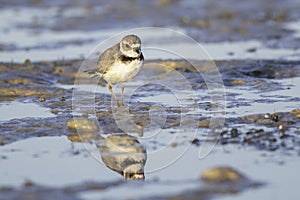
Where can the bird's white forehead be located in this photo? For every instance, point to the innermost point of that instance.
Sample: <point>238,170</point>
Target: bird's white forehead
<point>135,45</point>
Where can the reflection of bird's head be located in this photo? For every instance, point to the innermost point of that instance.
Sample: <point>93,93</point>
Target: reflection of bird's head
<point>134,172</point>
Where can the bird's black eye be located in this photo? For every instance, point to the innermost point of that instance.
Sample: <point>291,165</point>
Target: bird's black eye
<point>127,46</point>
<point>131,175</point>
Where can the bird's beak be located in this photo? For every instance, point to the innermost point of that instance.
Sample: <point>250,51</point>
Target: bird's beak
<point>138,50</point>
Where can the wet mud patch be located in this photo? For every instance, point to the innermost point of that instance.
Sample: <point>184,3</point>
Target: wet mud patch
<point>271,132</point>
<point>41,82</point>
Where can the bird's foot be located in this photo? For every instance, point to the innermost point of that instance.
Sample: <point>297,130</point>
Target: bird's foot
<point>120,103</point>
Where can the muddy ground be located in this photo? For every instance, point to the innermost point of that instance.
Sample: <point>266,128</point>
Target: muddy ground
<point>37,83</point>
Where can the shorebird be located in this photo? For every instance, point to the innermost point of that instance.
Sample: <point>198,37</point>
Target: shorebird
<point>120,63</point>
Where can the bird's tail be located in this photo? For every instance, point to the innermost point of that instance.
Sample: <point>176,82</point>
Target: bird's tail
<point>93,73</point>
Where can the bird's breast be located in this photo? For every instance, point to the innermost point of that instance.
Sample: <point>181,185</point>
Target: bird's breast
<point>122,72</point>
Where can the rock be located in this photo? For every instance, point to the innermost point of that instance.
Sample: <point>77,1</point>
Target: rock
<point>62,98</point>
<point>251,50</point>
<point>42,99</point>
<point>28,183</point>
<point>83,125</point>
<point>237,82</point>
<point>27,62</point>
<point>196,142</point>
<point>296,113</point>
<point>234,132</point>
<point>54,111</point>
<point>274,117</point>
<point>221,175</point>
<point>82,137</point>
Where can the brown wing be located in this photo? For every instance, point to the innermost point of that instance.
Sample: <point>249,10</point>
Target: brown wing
<point>107,58</point>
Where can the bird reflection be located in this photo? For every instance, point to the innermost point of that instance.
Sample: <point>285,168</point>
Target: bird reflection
<point>124,154</point>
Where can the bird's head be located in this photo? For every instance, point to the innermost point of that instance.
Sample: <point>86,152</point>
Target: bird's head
<point>134,172</point>
<point>130,46</point>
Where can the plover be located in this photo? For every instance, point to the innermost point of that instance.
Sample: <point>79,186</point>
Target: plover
<point>120,63</point>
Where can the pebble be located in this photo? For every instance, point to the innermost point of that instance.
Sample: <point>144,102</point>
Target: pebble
<point>27,62</point>
<point>196,141</point>
<point>274,117</point>
<point>280,127</point>
<point>27,183</point>
<point>237,82</point>
<point>54,111</point>
<point>42,99</point>
<point>267,116</point>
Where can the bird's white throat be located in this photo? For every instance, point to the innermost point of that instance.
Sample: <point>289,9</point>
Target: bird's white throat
<point>129,53</point>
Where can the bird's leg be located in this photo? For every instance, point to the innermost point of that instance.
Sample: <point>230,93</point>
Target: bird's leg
<point>113,94</point>
<point>122,90</point>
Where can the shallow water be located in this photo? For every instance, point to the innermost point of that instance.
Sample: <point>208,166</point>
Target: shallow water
<point>44,167</point>
<point>18,110</point>
<point>19,42</point>
<point>256,101</point>
<point>71,46</point>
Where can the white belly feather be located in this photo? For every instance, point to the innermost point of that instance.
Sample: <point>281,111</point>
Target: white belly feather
<point>121,72</point>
